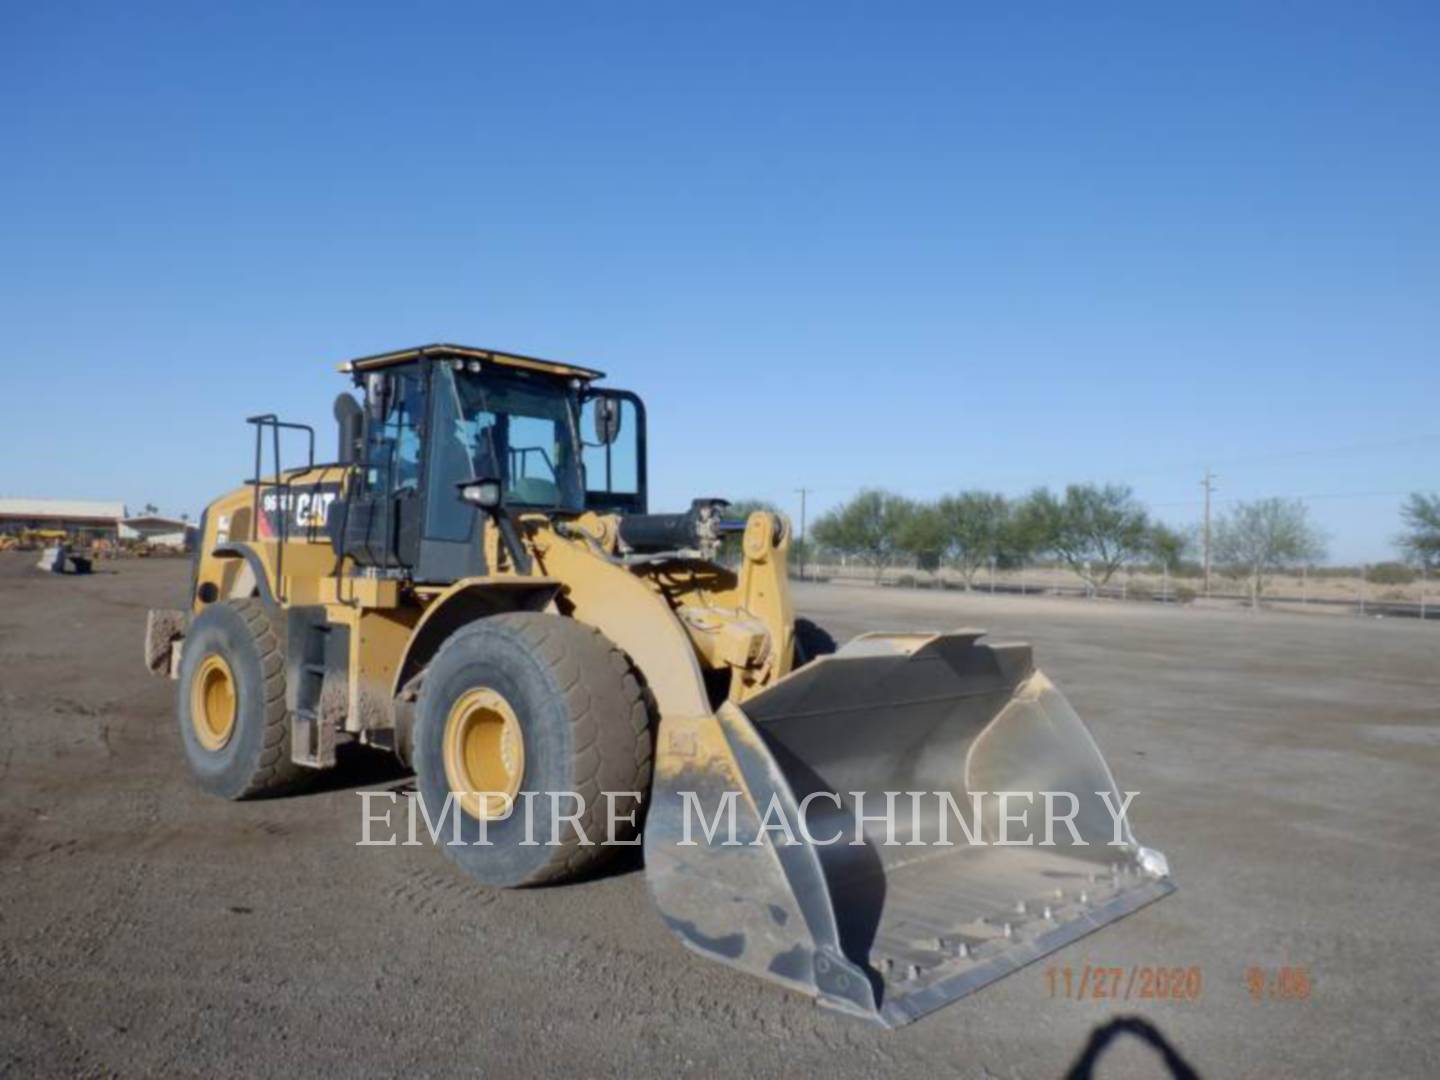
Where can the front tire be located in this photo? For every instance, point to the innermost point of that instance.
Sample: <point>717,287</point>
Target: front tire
<point>529,704</point>
<point>811,642</point>
<point>233,720</point>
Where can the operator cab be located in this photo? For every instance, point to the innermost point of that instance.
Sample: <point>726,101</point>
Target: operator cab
<point>440,417</point>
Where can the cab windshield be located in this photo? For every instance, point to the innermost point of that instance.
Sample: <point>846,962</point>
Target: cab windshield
<point>518,428</point>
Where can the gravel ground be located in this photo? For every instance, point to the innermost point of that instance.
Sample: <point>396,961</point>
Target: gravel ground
<point>1289,767</point>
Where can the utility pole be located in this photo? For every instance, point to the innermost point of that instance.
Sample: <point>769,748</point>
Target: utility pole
<point>1209,485</point>
<point>803,492</point>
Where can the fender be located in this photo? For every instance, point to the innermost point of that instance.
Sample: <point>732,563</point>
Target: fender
<point>635,618</point>
<point>239,550</point>
<point>464,602</point>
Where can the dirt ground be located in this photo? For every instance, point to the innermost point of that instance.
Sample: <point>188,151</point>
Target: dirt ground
<point>1288,766</point>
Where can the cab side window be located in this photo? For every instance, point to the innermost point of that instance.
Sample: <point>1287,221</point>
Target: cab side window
<point>393,446</point>
<point>446,517</point>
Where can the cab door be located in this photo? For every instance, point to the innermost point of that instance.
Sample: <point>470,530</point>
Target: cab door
<point>449,546</point>
<point>382,518</point>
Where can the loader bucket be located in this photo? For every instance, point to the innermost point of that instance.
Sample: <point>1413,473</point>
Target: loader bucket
<point>892,914</point>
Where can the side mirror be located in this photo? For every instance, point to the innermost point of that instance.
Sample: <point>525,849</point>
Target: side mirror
<point>379,391</point>
<point>607,420</point>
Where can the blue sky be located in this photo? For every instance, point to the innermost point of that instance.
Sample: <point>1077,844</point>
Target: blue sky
<point>926,246</point>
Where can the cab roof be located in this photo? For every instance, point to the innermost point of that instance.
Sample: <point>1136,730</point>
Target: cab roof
<point>466,352</point>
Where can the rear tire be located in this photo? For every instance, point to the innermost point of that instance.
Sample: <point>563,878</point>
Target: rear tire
<point>584,720</point>
<point>234,643</point>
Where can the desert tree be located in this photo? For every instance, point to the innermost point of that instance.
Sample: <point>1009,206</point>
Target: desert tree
<point>740,509</point>
<point>1256,539</point>
<point>922,535</point>
<point>868,527</point>
<point>1094,529</point>
<point>1421,539</point>
<point>1168,546</point>
<point>977,530</point>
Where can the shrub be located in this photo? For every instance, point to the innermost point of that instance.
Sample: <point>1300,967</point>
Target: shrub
<point>1390,573</point>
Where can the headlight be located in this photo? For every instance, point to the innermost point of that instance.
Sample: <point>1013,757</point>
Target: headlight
<point>482,493</point>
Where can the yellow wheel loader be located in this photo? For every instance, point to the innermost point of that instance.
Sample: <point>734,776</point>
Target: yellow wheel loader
<point>477,585</point>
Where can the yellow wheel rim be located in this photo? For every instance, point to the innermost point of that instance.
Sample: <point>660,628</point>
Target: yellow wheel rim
<point>484,752</point>
<point>212,703</point>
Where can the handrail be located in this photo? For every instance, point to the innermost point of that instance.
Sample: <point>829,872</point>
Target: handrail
<point>281,485</point>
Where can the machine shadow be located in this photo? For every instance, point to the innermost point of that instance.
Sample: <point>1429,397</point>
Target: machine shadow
<point>1142,1029</point>
<point>358,767</point>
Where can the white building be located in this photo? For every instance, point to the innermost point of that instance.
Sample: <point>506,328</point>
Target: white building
<point>159,532</point>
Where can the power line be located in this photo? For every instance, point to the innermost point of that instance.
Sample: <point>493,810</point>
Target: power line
<point>1303,497</point>
<point>1285,455</point>
<point>1320,451</point>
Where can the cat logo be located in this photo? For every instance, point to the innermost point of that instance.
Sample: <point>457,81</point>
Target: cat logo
<point>301,513</point>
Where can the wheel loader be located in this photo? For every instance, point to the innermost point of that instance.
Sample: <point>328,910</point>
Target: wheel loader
<point>476,585</point>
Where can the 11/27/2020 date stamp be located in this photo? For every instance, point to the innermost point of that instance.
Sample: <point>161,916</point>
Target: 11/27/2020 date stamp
<point>1137,982</point>
<point>1157,982</point>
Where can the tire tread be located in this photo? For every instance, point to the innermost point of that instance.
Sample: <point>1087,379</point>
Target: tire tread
<point>275,772</point>
<point>611,718</point>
